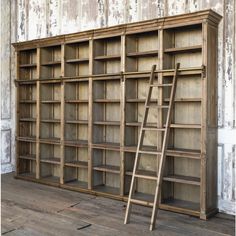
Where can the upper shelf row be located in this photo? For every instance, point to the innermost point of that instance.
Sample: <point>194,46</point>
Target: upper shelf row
<point>138,52</point>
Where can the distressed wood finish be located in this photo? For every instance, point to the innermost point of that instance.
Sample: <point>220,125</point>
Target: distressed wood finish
<point>88,89</point>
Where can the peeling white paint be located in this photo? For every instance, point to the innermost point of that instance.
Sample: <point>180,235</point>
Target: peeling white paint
<point>40,18</point>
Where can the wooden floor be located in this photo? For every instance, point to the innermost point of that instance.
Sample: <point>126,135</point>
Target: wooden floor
<point>34,209</point>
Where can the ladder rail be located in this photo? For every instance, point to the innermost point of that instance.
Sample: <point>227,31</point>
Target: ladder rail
<point>163,151</point>
<point>163,147</point>
<point>140,141</point>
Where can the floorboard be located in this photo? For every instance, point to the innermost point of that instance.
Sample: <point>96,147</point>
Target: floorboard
<point>34,209</point>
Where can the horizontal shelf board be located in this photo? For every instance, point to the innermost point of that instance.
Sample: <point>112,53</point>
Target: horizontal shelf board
<point>50,121</point>
<point>182,179</point>
<point>28,157</point>
<point>82,122</point>
<point>184,100</point>
<point>185,126</point>
<point>51,160</point>
<point>77,60</point>
<point>106,145</point>
<point>107,100</point>
<point>81,164</point>
<point>27,139</point>
<point>27,119</point>
<point>142,54</point>
<point>145,174</point>
<point>50,140</point>
<point>143,199</point>
<point>76,184</point>
<point>112,123</point>
<point>108,168</point>
<point>30,65</point>
<point>76,101</point>
<point>180,204</point>
<point>138,100</point>
<point>107,189</point>
<point>27,101</point>
<point>76,79</point>
<point>108,57</point>
<point>51,63</point>
<point>50,179</point>
<point>196,48</point>
<point>76,143</point>
<point>194,154</point>
<point>28,175</point>
<point>51,101</point>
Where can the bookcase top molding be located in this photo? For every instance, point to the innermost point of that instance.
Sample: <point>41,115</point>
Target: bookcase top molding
<point>194,18</point>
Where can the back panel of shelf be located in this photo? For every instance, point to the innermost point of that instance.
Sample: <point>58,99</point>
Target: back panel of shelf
<point>50,62</point>
<point>107,55</point>
<point>77,59</point>
<point>183,45</point>
<point>142,51</point>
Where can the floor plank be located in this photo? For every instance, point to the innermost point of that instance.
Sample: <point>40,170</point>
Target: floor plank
<point>33,209</point>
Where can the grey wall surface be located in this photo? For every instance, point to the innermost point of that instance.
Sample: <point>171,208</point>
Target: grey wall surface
<point>30,19</point>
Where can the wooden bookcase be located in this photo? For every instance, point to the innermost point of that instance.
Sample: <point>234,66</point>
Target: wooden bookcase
<point>81,100</point>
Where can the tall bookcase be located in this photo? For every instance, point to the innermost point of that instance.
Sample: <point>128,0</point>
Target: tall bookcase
<point>80,102</point>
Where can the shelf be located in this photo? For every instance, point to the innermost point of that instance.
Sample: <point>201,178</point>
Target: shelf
<point>52,160</point>
<point>81,164</point>
<point>27,101</point>
<point>76,101</point>
<point>27,119</point>
<point>185,126</point>
<point>30,65</point>
<point>196,48</point>
<point>108,168</point>
<point>28,157</point>
<point>112,123</point>
<point>51,63</point>
<point>182,179</point>
<point>27,139</point>
<point>77,184</point>
<point>82,122</point>
<point>51,102</point>
<point>108,57</point>
<point>107,189</point>
<point>50,121</point>
<point>143,54</point>
<point>185,100</point>
<point>194,154</point>
<point>107,146</point>
<point>138,100</point>
<point>177,204</point>
<point>107,100</point>
<point>50,140</point>
<point>76,143</point>
<point>77,60</point>
<point>144,174</point>
<point>50,179</point>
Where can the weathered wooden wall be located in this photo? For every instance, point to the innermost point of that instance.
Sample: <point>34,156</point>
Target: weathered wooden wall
<point>32,19</point>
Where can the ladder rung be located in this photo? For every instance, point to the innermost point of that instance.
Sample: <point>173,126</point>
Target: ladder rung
<point>141,202</point>
<point>152,177</point>
<point>149,152</point>
<point>158,106</point>
<point>153,128</point>
<point>161,85</point>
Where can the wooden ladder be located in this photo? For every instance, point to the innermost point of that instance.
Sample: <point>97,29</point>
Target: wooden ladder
<point>162,153</point>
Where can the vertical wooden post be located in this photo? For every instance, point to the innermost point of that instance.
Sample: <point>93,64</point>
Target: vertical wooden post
<point>38,114</point>
<point>17,113</point>
<point>122,116</point>
<point>90,117</point>
<point>62,148</point>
